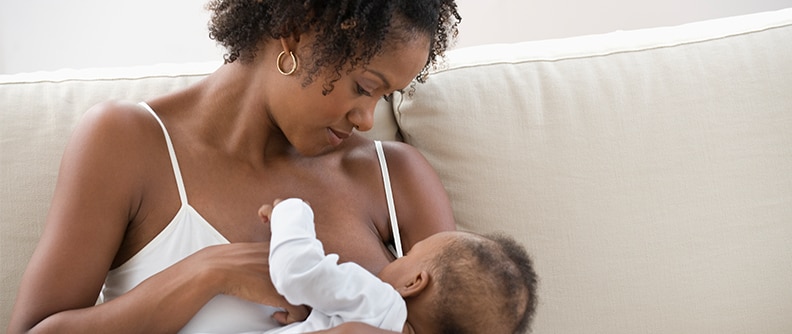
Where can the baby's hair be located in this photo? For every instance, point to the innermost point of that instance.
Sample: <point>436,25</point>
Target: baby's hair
<point>348,32</point>
<point>485,284</point>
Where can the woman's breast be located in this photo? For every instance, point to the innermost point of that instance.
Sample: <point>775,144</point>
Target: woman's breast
<point>354,241</point>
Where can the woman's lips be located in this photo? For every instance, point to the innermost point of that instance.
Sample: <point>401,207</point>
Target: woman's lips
<point>336,137</point>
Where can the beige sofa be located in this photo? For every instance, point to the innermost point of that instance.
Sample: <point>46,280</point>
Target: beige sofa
<point>649,172</point>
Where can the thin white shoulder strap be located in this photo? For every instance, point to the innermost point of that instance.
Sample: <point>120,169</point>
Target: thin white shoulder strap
<point>172,152</point>
<point>389,196</point>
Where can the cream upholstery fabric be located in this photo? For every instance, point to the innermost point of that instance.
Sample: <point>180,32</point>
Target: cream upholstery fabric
<point>649,172</point>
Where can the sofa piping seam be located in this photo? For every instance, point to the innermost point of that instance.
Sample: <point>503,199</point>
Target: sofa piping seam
<point>145,77</point>
<point>607,54</point>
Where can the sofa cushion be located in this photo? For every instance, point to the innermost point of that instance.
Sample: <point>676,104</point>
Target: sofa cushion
<point>649,172</point>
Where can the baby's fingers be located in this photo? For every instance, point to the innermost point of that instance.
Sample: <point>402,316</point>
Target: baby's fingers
<point>265,212</point>
<point>297,313</point>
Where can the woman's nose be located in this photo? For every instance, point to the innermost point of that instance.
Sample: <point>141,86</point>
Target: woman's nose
<point>363,119</point>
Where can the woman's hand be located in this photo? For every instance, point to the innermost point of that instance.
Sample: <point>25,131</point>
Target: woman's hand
<point>242,270</point>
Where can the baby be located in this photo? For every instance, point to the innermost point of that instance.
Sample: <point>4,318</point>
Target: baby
<point>450,282</point>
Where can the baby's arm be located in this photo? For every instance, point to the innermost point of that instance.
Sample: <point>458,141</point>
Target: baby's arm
<point>305,275</point>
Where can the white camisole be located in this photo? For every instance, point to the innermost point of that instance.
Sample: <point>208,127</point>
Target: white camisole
<point>189,232</point>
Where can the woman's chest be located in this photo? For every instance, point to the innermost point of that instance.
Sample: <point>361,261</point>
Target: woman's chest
<point>345,193</point>
<point>350,219</point>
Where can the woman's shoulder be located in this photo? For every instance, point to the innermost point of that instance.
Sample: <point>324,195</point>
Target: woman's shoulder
<point>116,115</point>
<point>361,147</point>
<point>120,122</point>
<point>114,130</point>
<point>360,156</point>
<point>402,160</point>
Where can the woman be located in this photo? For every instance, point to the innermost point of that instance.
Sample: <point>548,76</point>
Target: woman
<point>156,203</point>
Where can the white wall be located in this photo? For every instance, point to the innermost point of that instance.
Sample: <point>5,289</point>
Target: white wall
<point>495,21</point>
<point>52,34</point>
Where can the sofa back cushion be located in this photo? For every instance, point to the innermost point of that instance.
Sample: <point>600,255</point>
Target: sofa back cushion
<point>649,172</point>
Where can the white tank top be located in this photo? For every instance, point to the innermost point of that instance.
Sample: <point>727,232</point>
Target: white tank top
<point>189,232</point>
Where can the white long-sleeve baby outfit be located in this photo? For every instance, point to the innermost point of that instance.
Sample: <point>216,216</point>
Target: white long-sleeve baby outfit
<point>337,293</point>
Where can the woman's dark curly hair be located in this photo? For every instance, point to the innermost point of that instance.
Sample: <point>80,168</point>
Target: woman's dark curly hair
<point>348,32</point>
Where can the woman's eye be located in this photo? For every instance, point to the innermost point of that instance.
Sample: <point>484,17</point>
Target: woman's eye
<point>362,91</point>
<point>389,97</point>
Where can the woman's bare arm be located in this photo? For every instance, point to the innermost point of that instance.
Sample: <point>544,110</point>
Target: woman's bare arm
<point>98,192</point>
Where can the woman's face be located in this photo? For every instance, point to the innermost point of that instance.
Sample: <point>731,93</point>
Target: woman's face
<point>315,123</point>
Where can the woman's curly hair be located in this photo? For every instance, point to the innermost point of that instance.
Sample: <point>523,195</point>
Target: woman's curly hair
<point>348,32</point>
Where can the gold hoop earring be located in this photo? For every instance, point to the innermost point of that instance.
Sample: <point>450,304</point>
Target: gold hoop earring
<point>280,58</point>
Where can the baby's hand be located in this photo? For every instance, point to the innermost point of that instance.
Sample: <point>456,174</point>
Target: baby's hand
<point>265,211</point>
<point>296,314</point>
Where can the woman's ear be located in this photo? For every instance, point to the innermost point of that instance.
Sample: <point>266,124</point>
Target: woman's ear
<point>415,285</point>
<point>285,41</point>
<point>289,43</point>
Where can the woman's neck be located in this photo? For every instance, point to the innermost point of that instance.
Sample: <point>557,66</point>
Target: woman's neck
<point>235,117</point>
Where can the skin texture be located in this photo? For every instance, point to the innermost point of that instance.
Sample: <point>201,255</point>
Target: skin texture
<point>244,136</point>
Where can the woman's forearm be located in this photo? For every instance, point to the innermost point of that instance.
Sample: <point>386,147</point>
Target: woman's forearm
<point>163,303</point>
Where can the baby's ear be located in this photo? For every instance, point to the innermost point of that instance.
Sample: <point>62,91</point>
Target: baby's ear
<point>416,285</point>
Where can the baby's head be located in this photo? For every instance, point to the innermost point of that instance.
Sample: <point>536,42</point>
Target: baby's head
<point>460,282</point>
